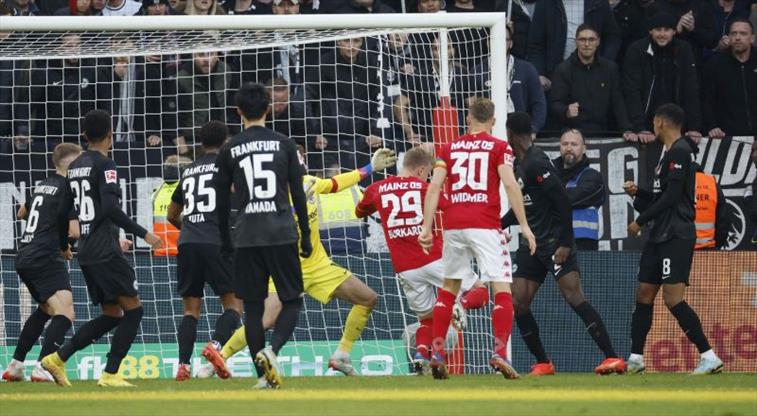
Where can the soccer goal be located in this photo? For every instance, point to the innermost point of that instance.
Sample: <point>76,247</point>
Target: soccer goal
<point>342,85</point>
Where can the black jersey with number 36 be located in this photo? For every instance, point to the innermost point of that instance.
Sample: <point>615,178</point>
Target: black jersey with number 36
<point>264,167</point>
<point>198,197</point>
<point>94,187</point>
<point>46,231</point>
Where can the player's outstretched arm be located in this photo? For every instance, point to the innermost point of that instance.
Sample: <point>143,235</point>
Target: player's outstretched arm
<point>382,159</point>
<point>515,197</point>
<point>430,205</point>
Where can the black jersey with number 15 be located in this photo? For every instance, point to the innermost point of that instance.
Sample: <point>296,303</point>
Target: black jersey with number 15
<point>262,164</point>
<point>46,231</point>
<point>198,197</point>
<point>91,176</point>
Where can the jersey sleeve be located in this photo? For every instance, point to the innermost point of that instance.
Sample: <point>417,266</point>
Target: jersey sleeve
<point>367,205</point>
<point>108,180</point>
<point>444,201</point>
<point>442,160</point>
<point>178,195</point>
<point>679,163</point>
<point>336,183</point>
<point>503,154</point>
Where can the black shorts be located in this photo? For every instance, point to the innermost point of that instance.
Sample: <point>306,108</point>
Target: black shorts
<point>666,263</point>
<point>254,265</point>
<point>535,267</point>
<point>200,263</point>
<point>107,281</point>
<point>44,281</point>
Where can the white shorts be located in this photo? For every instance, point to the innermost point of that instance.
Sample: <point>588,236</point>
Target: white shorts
<point>487,246</point>
<point>420,285</point>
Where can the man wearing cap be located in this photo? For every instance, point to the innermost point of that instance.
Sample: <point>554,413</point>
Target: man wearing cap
<point>661,69</point>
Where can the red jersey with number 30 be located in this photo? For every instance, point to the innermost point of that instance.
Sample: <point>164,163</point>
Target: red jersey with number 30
<point>471,162</point>
<point>399,201</point>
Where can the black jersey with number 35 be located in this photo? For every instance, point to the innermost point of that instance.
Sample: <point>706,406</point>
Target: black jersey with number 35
<point>46,231</point>
<point>198,197</point>
<point>94,187</point>
<point>264,168</point>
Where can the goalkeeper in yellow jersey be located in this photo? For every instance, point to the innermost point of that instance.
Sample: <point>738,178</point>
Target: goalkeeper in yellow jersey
<point>323,280</point>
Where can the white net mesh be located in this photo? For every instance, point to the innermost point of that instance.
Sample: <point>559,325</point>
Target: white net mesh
<point>338,93</point>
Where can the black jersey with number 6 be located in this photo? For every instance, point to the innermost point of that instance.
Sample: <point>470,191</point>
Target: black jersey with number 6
<point>46,231</point>
<point>94,187</point>
<point>196,194</point>
<point>264,168</point>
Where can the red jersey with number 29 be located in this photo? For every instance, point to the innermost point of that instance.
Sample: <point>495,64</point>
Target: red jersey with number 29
<point>471,162</point>
<point>399,201</point>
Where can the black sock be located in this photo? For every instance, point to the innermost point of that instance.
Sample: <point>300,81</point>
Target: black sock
<point>87,335</point>
<point>596,328</point>
<point>641,323</point>
<point>187,336</point>
<point>226,324</point>
<point>529,331</point>
<point>253,329</point>
<point>688,320</point>
<point>285,323</point>
<point>33,328</point>
<point>122,338</point>
<point>55,335</point>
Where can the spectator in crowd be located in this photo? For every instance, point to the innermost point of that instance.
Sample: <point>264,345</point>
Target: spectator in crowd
<point>631,16</point>
<point>161,200</point>
<point>421,92</point>
<point>157,8</point>
<point>521,21</point>
<point>203,7</point>
<point>363,6</point>
<point>97,7</point>
<point>525,93</point>
<point>586,91</point>
<point>121,92</point>
<point>428,6</point>
<point>712,217</point>
<point>76,8</point>
<point>247,7</point>
<point>206,89</point>
<point>726,12</point>
<point>121,8</point>
<point>14,81</point>
<point>178,5</point>
<point>584,186</point>
<point>48,7</point>
<point>23,8</point>
<point>657,70</point>
<point>342,92</point>
<point>553,26</point>
<point>61,92</point>
<point>463,6</point>
<point>287,117</point>
<point>730,89</point>
<point>695,24</point>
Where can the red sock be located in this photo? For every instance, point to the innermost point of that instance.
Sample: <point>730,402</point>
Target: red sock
<point>442,317</point>
<point>423,338</point>
<point>502,322</point>
<point>475,298</point>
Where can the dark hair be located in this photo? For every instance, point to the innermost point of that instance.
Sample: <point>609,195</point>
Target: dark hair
<point>96,126</point>
<point>64,150</point>
<point>5,10</point>
<point>672,113</point>
<point>519,123</point>
<point>481,109</point>
<point>277,84</point>
<point>417,157</point>
<point>572,130</point>
<point>741,20</point>
<point>252,100</point>
<point>586,26</point>
<point>213,134</point>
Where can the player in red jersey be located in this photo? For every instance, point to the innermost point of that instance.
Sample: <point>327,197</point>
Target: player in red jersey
<point>477,162</point>
<point>398,200</point>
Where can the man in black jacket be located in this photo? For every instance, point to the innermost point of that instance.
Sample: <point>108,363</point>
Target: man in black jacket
<point>695,23</point>
<point>586,92</point>
<point>584,186</point>
<point>657,70</point>
<point>551,26</point>
<point>730,93</point>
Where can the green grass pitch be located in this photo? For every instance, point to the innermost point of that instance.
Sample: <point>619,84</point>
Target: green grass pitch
<point>561,395</point>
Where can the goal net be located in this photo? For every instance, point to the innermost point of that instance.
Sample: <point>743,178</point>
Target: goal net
<point>342,86</point>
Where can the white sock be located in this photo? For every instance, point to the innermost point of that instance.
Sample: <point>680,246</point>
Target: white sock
<point>636,357</point>
<point>15,363</point>
<point>709,354</point>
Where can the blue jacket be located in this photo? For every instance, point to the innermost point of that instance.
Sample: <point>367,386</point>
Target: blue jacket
<point>547,33</point>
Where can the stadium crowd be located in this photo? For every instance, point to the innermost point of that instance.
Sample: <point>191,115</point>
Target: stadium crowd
<point>600,67</point>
